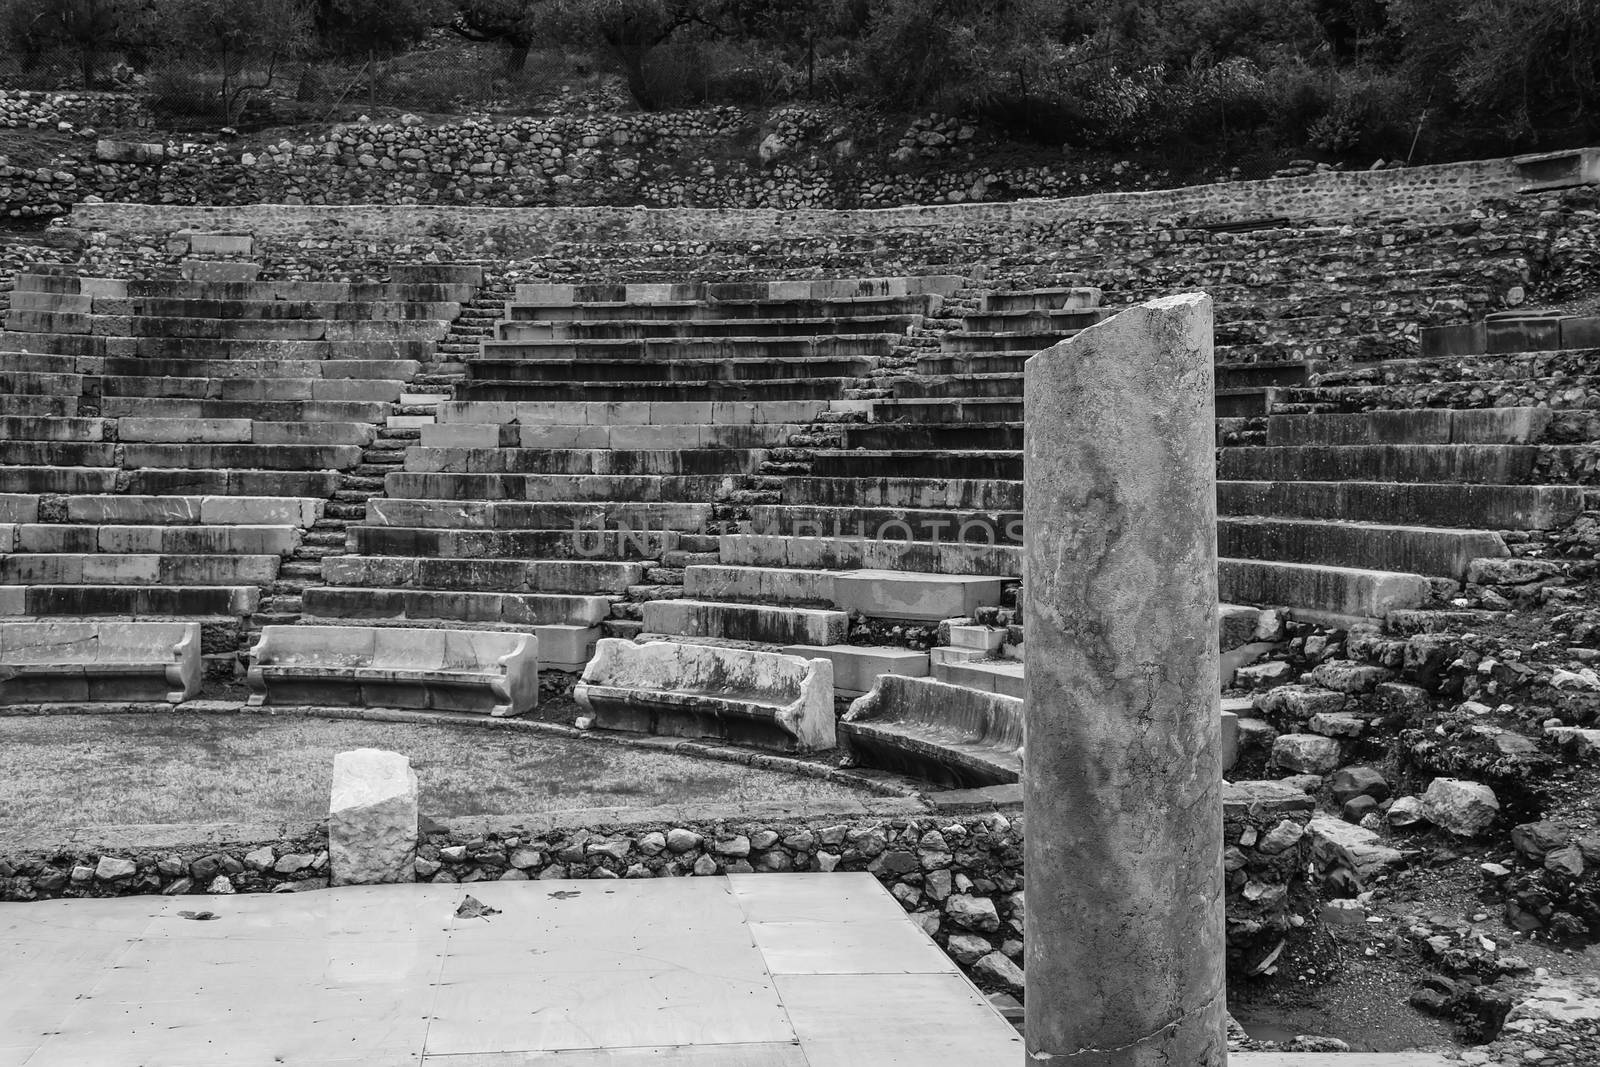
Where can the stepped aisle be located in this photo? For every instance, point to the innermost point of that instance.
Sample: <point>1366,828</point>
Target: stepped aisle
<point>173,448</point>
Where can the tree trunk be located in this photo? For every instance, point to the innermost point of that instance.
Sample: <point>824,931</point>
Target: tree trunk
<point>517,56</point>
<point>633,67</point>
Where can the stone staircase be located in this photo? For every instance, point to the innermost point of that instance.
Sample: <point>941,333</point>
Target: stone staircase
<point>171,448</point>
<point>599,439</point>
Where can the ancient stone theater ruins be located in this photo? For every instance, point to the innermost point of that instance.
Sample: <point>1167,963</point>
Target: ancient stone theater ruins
<point>746,487</point>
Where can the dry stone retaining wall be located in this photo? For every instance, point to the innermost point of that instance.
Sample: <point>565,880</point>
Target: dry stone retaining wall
<point>707,159</point>
<point>958,875</point>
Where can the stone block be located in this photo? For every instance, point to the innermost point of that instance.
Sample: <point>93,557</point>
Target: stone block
<point>221,244</point>
<point>857,668</point>
<point>920,597</point>
<point>372,818</point>
<point>1463,808</point>
<point>202,270</point>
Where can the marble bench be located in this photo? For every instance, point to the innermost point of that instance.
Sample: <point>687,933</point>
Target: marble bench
<point>102,660</point>
<point>765,699</point>
<point>945,733</point>
<point>381,666</point>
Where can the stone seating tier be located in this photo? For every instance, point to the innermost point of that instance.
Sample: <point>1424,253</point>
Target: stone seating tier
<point>682,690</point>
<point>112,660</point>
<point>445,670</point>
<point>169,394</point>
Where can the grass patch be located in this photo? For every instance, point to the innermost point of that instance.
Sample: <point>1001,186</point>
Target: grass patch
<point>59,772</point>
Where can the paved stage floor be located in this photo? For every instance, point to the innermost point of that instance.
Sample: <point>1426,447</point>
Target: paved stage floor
<point>792,970</point>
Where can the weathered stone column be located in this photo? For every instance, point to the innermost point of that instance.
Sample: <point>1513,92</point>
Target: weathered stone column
<point>1122,777</point>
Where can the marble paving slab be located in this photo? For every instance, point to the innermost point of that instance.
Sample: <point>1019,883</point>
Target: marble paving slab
<point>792,970</point>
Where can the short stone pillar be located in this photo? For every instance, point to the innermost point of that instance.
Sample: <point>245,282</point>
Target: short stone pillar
<point>1122,777</point>
<point>372,818</point>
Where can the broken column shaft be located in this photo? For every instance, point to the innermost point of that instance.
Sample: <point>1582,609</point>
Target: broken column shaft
<point>1122,774</point>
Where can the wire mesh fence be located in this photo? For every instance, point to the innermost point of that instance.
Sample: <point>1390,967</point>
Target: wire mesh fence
<point>184,90</point>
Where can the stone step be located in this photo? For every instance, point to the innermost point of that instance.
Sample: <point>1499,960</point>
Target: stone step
<point>176,510</point>
<point>761,369</point>
<point>200,308</point>
<point>1418,426</point>
<point>153,407</point>
<point>561,487</point>
<point>1025,343</point>
<point>219,348</point>
<point>857,668</point>
<point>447,544</point>
<point>229,456</point>
<point>1242,403</point>
<point>239,329</point>
<point>995,385</point>
<point>1043,299</point>
<point>129,600</point>
<point>747,622</point>
<point>38,405</point>
<point>53,479</point>
<point>846,309</point>
<point>581,461</point>
<point>886,524</point>
<point>254,389</point>
<point>40,383</point>
<point>1060,320</point>
<point>47,363</point>
<point>724,293</point>
<point>564,516</point>
<point>244,431</point>
<point>1473,464</point>
<point>987,676</point>
<point>862,463</point>
<point>961,494</point>
<point>659,392</point>
<point>848,554</point>
<point>668,350</point>
<point>1413,549</point>
<point>397,605</point>
<point>627,437</point>
<point>1350,592</point>
<point>328,369</point>
<point>177,481</point>
<point>1491,507</point>
<point>483,575</point>
<point>58,453</point>
<point>628,329</point>
<point>989,411</point>
<point>626,413</point>
<point>1251,376</point>
<point>114,568</point>
<point>879,594</point>
<point>160,540</point>
<point>172,288</point>
<point>934,436</point>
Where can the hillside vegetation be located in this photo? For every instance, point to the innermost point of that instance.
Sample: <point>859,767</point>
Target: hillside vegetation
<point>1245,83</point>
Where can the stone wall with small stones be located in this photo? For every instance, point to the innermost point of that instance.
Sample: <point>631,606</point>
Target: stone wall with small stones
<point>713,158</point>
<point>958,875</point>
<point>34,110</point>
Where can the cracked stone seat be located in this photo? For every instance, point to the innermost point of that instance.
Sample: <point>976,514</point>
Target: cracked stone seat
<point>443,670</point>
<point>103,660</point>
<point>676,689</point>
